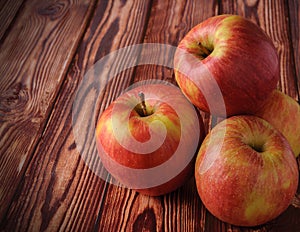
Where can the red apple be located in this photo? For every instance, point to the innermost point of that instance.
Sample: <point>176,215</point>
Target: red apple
<point>283,112</point>
<point>246,172</point>
<point>148,138</point>
<point>226,65</point>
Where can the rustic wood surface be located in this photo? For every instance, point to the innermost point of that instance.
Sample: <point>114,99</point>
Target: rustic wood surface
<point>46,47</point>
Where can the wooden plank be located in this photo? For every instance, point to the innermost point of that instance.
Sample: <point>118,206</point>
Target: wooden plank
<point>279,30</point>
<point>34,59</point>
<point>59,191</point>
<point>181,210</point>
<point>8,11</point>
<point>294,21</point>
<point>71,196</point>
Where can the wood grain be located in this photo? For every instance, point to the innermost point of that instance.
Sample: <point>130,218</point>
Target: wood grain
<point>294,21</point>
<point>8,12</point>
<point>50,180</point>
<point>34,58</point>
<point>59,191</point>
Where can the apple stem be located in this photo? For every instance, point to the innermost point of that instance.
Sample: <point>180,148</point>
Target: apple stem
<point>143,104</point>
<point>204,49</point>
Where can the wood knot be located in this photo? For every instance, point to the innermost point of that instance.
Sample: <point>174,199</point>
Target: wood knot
<point>145,221</point>
<point>53,10</point>
<point>14,99</point>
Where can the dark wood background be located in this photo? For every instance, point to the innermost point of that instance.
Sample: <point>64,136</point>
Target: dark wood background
<point>46,47</point>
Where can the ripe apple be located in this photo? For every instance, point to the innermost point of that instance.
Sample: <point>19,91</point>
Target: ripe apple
<point>246,173</point>
<point>283,112</point>
<point>226,65</point>
<point>148,138</point>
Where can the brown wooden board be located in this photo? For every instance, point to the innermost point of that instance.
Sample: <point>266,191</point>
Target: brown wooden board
<point>58,191</point>
<point>49,179</point>
<point>294,20</point>
<point>34,58</point>
<point>8,12</point>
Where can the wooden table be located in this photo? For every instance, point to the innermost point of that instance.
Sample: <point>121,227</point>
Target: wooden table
<point>46,48</point>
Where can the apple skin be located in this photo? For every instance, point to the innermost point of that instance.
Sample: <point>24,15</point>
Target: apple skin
<point>241,185</point>
<point>283,112</point>
<point>183,131</point>
<point>230,55</point>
